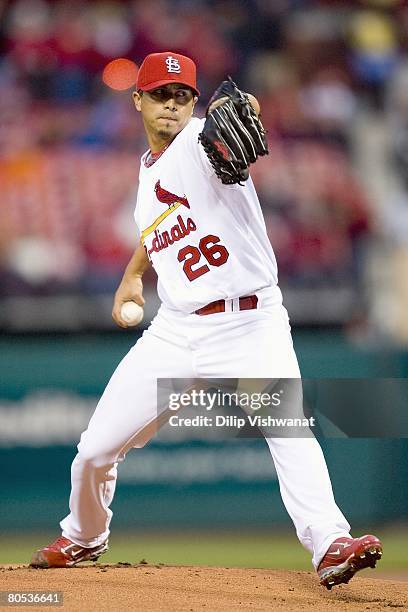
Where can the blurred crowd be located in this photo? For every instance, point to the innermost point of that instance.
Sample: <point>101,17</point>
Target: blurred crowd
<point>69,146</point>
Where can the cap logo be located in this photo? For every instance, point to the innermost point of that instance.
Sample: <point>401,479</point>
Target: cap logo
<point>172,64</point>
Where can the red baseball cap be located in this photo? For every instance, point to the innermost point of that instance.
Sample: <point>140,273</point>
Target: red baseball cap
<point>163,68</point>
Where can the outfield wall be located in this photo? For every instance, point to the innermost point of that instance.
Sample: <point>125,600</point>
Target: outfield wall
<point>50,385</point>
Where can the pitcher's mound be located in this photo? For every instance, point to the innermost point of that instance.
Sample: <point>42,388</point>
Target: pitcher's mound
<point>150,588</point>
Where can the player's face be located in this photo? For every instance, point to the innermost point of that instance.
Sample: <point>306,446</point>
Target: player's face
<point>165,110</point>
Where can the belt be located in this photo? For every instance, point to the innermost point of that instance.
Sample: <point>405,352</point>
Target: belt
<point>248,302</point>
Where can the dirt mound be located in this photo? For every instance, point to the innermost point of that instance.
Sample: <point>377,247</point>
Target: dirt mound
<point>151,588</point>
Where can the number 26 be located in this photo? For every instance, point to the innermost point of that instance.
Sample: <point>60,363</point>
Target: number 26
<point>215,254</point>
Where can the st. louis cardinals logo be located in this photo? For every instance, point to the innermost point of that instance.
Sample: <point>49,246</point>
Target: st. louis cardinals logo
<point>172,64</point>
<point>178,231</point>
<point>169,198</point>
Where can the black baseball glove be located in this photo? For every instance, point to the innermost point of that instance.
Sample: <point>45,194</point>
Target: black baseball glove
<point>233,136</point>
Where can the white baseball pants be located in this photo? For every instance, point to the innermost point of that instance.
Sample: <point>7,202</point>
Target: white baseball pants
<point>243,344</point>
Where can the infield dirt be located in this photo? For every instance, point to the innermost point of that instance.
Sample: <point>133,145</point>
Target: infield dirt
<point>151,588</point>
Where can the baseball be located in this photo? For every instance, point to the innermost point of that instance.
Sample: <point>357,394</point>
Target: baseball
<point>131,313</point>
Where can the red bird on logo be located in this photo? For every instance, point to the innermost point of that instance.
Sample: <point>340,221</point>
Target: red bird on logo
<point>167,197</point>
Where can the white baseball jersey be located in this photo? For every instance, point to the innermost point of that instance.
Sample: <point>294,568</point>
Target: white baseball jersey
<point>207,241</point>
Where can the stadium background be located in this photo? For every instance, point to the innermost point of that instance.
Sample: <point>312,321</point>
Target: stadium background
<point>332,79</point>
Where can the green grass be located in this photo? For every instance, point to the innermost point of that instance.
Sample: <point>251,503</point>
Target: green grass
<point>245,549</point>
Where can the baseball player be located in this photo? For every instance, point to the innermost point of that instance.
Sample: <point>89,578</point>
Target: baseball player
<point>201,227</point>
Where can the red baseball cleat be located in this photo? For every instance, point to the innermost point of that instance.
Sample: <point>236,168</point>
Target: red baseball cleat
<point>64,553</point>
<point>346,556</point>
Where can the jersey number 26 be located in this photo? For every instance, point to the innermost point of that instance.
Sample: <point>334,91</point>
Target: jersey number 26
<point>215,254</point>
